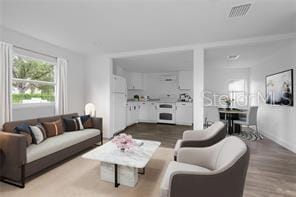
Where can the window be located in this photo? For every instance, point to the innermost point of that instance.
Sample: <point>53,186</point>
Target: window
<point>236,89</point>
<point>33,81</point>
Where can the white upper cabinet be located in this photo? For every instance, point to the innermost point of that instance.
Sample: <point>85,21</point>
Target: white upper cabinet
<point>185,80</point>
<point>135,81</point>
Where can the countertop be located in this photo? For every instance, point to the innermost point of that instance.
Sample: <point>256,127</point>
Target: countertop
<point>158,101</point>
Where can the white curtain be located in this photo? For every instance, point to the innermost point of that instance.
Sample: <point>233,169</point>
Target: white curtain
<point>5,82</point>
<point>61,87</point>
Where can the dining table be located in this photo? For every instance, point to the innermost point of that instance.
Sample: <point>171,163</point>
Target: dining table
<point>230,114</point>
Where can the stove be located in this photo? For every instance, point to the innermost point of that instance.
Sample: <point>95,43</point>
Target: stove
<point>166,112</point>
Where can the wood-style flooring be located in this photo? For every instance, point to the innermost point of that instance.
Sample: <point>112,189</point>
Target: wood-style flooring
<point>165,133</point>
<point>272,169</point>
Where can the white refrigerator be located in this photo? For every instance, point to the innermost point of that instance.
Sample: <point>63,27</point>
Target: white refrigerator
<point>119,95</point>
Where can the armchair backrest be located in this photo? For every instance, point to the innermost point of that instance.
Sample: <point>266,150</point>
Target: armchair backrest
<point>231,150</point>
<point>214,129</point>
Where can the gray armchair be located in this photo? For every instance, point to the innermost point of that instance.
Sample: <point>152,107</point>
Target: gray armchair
<point>218,170</point>
<point>201,138</point>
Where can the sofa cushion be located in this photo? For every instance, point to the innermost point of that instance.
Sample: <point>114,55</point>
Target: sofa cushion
<point>10,126</point>
<point>60,142</point>
<point>174,167</point>
<point>53,128</point>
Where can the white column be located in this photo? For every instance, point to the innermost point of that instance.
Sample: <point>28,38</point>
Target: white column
<point>198,88</point>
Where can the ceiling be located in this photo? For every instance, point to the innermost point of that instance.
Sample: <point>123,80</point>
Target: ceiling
<point>161,62</point>
<point>249,55</point>
<point>109,26</point>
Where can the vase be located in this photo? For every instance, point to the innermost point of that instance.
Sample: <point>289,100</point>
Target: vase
<point>122,149</point>
<point>227,106</point>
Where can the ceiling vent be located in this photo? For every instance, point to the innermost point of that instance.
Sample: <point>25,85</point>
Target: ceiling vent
<point>240,10</point>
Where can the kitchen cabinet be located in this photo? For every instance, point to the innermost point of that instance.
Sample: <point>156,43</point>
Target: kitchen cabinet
<point>132,113</point>
<point>148,112</point>
<point>185,80</point>
<point>135,81</point>
<point>184,113</point>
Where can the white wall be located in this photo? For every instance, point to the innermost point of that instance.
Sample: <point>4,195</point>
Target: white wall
<point>153,87</point>
<point>76,67</point>
<point>217,79</point>
<point>276,122</point>
<point>98,89</point>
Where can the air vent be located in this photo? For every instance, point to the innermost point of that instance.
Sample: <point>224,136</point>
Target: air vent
<point>240,10</point>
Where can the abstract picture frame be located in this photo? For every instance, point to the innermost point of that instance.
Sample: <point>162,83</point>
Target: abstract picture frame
<point>279,88</point>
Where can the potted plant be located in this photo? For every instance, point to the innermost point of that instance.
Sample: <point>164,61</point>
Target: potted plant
<point>227,100</point>
<point>123,141</point>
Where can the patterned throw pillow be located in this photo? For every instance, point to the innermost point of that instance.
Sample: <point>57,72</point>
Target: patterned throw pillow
<point>88,124</point>
<point>26,130</point>
<point>72,124</point>
<point>39,133</point>
<point>86,121</point>
<point>53,128</point>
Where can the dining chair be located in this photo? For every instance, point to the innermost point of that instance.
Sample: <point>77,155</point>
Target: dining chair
<point>211,114</point>
<point>250,120</point>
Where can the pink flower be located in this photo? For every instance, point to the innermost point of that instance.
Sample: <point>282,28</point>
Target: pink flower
<point>123,141</point>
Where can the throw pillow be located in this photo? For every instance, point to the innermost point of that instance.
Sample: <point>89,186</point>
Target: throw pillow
<point>86,121</point>
<point>25,128</point>
<point>78,119</point>
<point>39,133</point>
<point>71,124</point>
<point>53,128</point>
<point>88,124</point>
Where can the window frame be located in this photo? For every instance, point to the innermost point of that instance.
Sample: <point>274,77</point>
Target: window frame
<point>232,93</point>
<point>54,83</point>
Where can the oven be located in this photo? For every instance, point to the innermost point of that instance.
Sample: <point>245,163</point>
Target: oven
<point>166,113</point>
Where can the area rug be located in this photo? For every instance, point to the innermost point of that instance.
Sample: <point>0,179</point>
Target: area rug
<point>249,135</point>
<point>81,178</point>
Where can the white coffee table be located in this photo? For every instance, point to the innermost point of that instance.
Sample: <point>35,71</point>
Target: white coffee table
<point>122,167</point>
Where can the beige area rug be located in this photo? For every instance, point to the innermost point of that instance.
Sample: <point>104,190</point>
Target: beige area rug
<point>81,177</point>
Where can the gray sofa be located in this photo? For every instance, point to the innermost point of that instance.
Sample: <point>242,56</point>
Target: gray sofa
<point>19,162</point>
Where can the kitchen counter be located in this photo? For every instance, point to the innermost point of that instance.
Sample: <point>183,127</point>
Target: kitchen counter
<point>158,101</point>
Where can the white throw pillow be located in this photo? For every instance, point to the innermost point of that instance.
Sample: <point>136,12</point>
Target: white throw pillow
<point>38,134</point>
<point>80,123</point>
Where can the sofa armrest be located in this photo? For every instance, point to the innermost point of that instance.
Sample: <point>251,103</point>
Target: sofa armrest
<point>13,149</point>
<point>98,123</point>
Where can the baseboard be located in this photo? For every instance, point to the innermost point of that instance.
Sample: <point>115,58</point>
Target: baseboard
<point>280,141</point>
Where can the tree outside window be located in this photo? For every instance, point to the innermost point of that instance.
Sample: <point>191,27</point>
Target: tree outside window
<point>33,81</point>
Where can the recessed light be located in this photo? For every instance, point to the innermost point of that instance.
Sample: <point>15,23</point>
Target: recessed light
<point>233,57</point>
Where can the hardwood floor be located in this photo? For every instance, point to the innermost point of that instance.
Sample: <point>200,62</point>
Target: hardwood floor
<point>272,169</point>
<point>165,133</point>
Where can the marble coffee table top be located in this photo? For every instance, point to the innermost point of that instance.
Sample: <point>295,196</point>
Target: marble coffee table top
<point>136,157</point>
